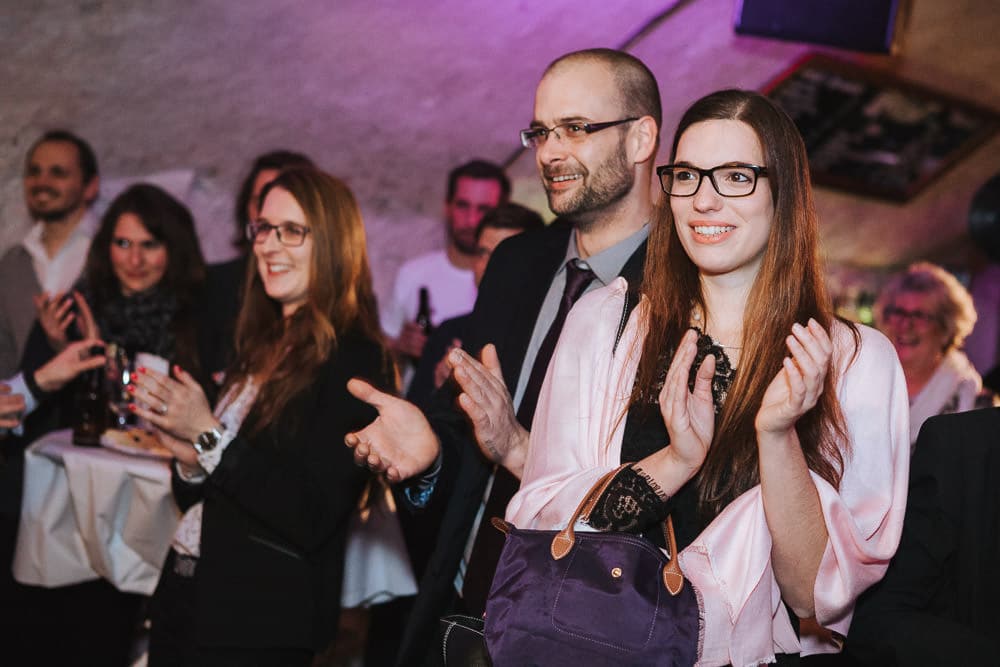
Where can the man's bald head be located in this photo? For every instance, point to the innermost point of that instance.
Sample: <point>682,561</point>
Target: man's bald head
<point>637,88</point>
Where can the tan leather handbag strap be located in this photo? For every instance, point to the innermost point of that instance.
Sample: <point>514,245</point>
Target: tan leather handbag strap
<point>673,578</point>
<point>565,538</point>
<point>562,543</point>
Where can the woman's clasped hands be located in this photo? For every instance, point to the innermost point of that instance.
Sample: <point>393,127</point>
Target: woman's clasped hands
<point>177,408</point>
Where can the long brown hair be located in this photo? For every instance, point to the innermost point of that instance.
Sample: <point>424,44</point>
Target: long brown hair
<point>788,288</point>
<point>288,354</point>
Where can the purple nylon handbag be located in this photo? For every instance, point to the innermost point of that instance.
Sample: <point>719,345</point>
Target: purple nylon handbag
<point>590,599</point>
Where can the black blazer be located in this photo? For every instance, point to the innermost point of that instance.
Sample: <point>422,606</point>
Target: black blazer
<point>511,293</point>
<point>276,513</point>
<point>938,602</point>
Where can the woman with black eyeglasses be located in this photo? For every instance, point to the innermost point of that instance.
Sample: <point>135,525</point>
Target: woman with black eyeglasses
<point>255,571</point>
<point>773,434</point>
<point>927,314</point>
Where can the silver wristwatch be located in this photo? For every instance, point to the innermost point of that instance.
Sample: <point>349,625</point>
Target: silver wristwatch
<point>208,440</point>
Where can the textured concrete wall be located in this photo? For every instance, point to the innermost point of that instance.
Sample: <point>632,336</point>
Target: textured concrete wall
<point>389,95</point>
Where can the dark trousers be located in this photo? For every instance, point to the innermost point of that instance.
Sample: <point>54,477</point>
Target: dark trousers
<point>172,639</point>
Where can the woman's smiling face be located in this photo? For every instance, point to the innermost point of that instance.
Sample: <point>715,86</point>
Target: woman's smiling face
<point>284,270</point>
<point>138,259</point>
<point>723,235</point>
<point>911,323</point>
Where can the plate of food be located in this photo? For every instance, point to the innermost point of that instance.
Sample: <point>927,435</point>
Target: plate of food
<point>136,442</point>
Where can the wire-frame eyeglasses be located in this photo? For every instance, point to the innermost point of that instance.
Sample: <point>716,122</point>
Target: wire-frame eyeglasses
<point>534,137</point>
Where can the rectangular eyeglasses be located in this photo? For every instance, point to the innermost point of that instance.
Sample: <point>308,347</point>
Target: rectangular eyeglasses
<point>729,180</point>
<point>289,233</point>
<point>534,137</point>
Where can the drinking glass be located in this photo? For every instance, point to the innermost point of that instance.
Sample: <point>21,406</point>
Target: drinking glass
<point>119,369</point>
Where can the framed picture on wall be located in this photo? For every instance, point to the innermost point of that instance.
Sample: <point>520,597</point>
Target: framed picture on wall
<point>872,133</point>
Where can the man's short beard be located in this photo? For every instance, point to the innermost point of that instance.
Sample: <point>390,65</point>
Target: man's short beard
<point>51,215</point>
<point>610,181</point>
<point>460,243</point>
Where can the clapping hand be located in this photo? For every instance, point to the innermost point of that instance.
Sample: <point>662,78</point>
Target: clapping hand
<point>56,313</point>
<point>689,415</point>
<point>76,358</point>
<point>442,370</point>
<point>399,443</point>
<point>487,402</point>
<point>177,407</point>
<point>799,384</point>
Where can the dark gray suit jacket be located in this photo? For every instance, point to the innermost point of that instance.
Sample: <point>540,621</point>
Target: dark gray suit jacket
<point>938,602</point>
<point>511,293</point>
<point>18,283</point>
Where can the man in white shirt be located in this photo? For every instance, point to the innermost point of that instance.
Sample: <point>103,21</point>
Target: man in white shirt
<point>60,183</point>
<point>473,189</point>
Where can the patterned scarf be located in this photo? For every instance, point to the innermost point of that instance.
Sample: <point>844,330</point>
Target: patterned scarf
<point>141,322</point>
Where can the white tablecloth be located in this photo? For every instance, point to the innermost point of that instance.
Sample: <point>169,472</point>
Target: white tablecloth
<point>89,512</point>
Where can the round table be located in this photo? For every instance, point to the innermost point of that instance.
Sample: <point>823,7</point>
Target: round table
<point>90,512</point>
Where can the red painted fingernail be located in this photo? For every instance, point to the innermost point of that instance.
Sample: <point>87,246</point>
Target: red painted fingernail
<point>140,369</point>
<point>130,388</point>
<point>131,406</point>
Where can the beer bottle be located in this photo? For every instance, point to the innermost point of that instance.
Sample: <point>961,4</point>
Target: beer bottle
<point>91,416</point>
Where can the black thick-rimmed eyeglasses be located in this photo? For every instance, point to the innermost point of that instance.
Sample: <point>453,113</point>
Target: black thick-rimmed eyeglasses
<point>290,234</point>
<point>736,179</point>
<point>534,137</point>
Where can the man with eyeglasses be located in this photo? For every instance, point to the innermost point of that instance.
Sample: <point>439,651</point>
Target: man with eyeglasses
<point>60,184</point>
<point>595,134</point>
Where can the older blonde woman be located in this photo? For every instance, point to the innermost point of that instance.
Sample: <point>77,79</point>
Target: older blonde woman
<point>927,314</point>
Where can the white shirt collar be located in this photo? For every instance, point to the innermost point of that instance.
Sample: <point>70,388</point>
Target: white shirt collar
<point>59,273</point>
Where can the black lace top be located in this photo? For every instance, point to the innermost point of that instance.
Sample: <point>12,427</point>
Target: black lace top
<point>633,502</point>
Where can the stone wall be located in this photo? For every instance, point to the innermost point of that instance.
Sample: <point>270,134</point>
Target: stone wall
<point>390,95</point>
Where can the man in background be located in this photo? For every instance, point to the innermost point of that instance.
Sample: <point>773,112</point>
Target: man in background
<point>503,222</point>
<point>60,184</point>
<point>473,189</point>
<point>499,224</point>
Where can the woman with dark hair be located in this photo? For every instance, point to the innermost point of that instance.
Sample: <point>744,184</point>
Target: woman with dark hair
<point>254,575</point>
<point>141,286</point>
<point>144,274</point>
<point>772,433</point>
<point>140,290</point>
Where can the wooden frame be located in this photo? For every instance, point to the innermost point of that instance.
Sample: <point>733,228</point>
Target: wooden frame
<point>870,132</point>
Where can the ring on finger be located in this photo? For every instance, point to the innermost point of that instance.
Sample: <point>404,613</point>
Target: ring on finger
<point>162,410</point>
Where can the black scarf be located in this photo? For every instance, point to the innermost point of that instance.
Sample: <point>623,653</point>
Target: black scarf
<point>141,322</point>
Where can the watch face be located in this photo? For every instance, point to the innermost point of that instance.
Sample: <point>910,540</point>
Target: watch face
<point>208,440</point>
